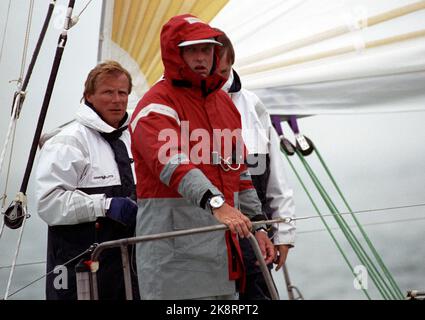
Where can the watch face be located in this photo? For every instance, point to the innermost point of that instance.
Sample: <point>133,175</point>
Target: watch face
<point>216,202</point>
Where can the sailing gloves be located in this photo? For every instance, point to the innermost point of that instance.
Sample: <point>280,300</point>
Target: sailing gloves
<point>123,210</point>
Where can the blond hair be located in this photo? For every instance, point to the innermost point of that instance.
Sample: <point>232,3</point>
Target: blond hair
<point>105,68</point>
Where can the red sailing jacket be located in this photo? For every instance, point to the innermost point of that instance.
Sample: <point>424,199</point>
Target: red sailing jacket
<point>184,105</point>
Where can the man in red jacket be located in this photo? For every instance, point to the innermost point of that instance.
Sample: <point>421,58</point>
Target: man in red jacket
<point>188,155</point>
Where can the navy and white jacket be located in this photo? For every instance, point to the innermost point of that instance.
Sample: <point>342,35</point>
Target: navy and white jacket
<point>76,177</point>
<point>77,172</point>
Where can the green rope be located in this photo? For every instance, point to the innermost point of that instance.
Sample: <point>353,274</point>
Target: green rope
<point>363,232</point>
<point>324,221</point>
<point>376,277</point>
<point>384,288</point>
<point>387,290</point>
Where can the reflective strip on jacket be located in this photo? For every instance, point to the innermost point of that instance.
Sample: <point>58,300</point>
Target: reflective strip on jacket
<point>170,191</point>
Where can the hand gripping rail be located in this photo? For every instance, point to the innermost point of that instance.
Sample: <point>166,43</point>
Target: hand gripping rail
<point>87,286</point>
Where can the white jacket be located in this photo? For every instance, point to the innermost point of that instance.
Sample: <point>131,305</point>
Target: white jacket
<point>261,138</point>
<point>76,170</point>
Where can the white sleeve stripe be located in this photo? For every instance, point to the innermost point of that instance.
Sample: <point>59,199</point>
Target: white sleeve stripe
<point>158,108</point>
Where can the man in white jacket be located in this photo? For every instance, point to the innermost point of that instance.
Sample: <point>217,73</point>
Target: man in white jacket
<point>267,171</point>
<point>85,186</point>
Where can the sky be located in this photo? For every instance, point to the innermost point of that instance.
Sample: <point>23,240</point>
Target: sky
<point>377,159</point>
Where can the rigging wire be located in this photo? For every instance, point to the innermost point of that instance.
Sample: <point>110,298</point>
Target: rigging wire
<point>16,106</point>
<point>12,269</point>
<point>1,227</point>
<point>26,42</point>
<point>8,134</point>
<point>365,225</point>
<point>75,19</point>
<point>24,264</point>
<point>301,232</point>
<point>12,124</point>
<point>9,165</point>
<point>4,197</point>
<point>306,231</point>
<point>19,84</point>
<point>362,211</point>
<point>5,29</point>
<point>63,38</point>
<point>20,202</point>
<point>45,275</point>
<point>84,9</point>
<point>20,95</point>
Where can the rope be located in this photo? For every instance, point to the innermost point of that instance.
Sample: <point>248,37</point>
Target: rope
<point>362,231</point>
<point>388,289</point>
<point>11,127</point>
<point>4,197</point>
<point>323,220</point>
<point>355,245</point>
<point>48,94</point>
<point>18,246</point>
<point>9,165</point>
<point>18,96</point>
<point>352,240</point>
<point>2,226</point>
<point>4,31</point>
<point>56,63</point>
<point>27,36</point>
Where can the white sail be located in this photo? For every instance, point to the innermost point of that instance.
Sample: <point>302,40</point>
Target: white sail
<point>301,57</point>
<point>315,57</point>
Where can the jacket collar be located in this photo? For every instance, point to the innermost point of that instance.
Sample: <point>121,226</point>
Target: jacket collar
<point>236,84</point>
<point>87,116</point>
<point>233,84</point>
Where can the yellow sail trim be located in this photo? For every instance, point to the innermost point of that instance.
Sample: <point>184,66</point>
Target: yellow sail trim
<point>137,25</point>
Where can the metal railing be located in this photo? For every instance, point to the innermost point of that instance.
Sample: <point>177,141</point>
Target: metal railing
<point>87,285</point>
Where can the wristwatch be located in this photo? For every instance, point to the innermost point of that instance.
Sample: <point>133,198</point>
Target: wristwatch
<point>262,229</point>
<point>216,202</point>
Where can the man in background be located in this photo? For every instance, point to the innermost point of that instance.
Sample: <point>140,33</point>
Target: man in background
<point>266,166</point>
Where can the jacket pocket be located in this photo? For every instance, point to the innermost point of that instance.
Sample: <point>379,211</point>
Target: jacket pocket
<point>199,248</point>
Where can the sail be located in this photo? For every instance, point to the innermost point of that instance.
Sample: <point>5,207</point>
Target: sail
<point>300,56</point>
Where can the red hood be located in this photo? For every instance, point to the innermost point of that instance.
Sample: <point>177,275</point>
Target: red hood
<point>183,28</point>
